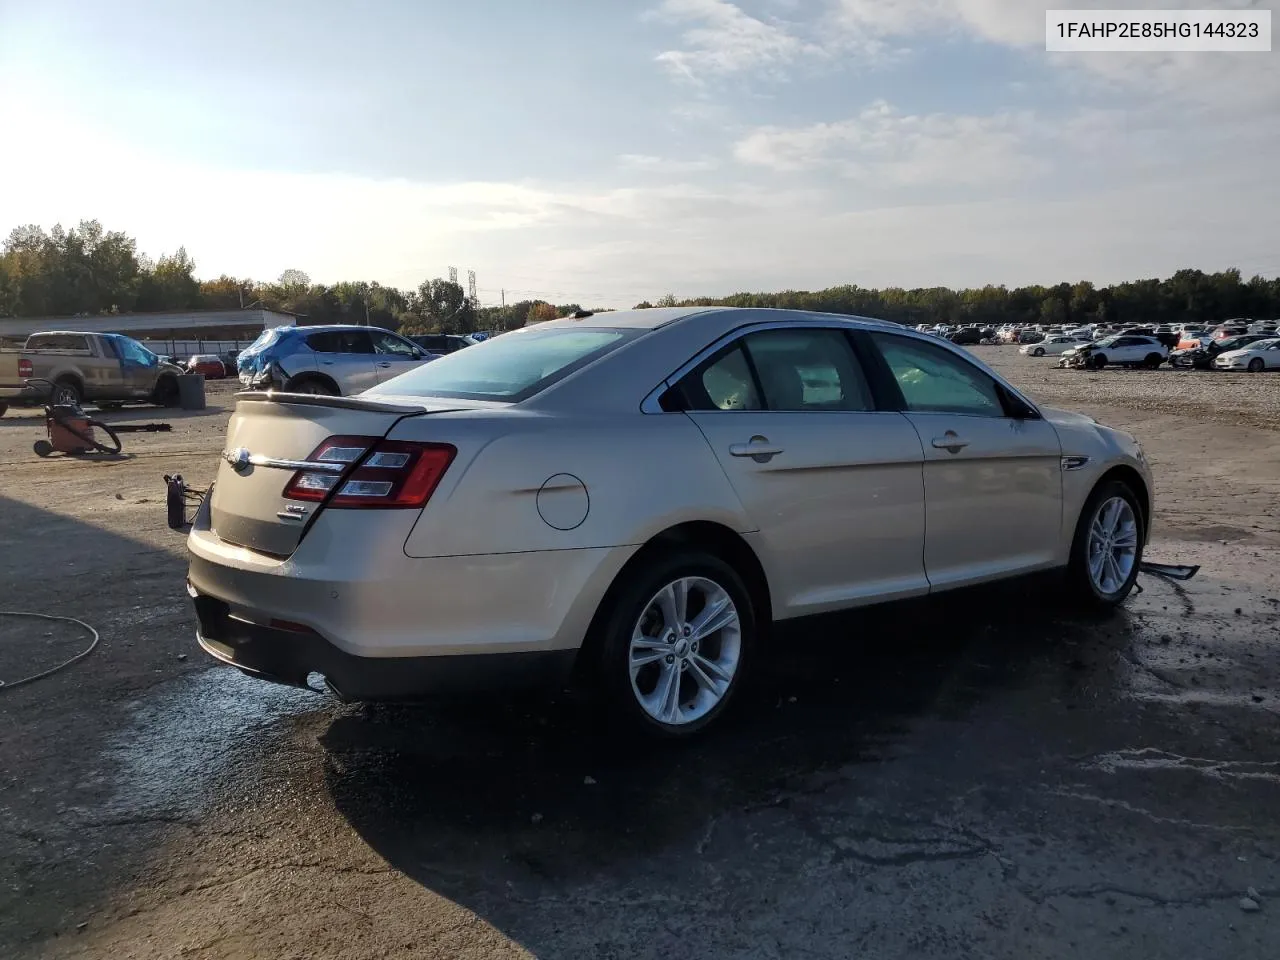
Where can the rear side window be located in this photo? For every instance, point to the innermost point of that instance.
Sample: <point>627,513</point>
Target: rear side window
<point>341,341</point>
<point>723,383</point>
<point>811,369</point>
<point>933,380</point>
<point>509,368</point>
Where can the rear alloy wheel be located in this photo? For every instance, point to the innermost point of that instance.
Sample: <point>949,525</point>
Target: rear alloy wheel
<point>1256,365</point>
<point>1153,361</point>
<point>1108,545</point>
<point>1038,352</point>
<point>676,644</point>
<point>1099,361</point>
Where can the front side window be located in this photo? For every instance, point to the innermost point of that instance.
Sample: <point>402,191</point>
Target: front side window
<point>131,351</point>
<point>509,368</point>
<point>391,345</point>
<point>933,380</point>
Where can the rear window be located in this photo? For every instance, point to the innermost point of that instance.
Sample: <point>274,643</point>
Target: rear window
<point>59,343</point>
<point>509,368</point>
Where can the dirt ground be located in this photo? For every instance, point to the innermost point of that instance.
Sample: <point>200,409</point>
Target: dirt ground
<point>993,775</point>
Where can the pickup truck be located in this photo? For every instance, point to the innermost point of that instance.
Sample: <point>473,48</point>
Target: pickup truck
<point>106,369</point>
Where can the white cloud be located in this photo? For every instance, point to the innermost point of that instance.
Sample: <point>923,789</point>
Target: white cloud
<point>646,163</point>
<point>723,39</point>
<point>885,147</point>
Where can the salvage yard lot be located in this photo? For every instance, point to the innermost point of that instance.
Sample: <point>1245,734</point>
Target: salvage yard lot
<point>991,774</point>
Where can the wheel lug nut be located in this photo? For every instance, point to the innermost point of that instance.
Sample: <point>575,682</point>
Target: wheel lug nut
<point>694,646</point>
<point>687,630</point>
<point>670,658</point>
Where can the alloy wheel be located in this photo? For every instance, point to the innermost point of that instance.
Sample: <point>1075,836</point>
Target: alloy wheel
<point>1113,545</point>
<point>685,650</point>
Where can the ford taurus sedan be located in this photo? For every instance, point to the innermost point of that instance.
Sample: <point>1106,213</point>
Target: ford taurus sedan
<point>1254,357</point>
<point>639,495</point>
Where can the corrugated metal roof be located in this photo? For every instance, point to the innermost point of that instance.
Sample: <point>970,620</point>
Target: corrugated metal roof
<point>126,322</point>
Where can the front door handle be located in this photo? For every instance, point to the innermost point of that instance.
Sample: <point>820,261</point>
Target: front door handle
<point>383,363</point>
<point>758,449</point>
<point>950,441</point>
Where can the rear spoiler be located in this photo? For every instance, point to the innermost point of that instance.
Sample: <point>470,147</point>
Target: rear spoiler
<point>320,400</point>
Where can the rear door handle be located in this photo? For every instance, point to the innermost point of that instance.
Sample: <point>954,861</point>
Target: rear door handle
<point>758,449</point>
<point>950,441</point>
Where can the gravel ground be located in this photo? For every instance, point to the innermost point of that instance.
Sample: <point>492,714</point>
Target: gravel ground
<point>988,775</point>
<point>1204,395</point>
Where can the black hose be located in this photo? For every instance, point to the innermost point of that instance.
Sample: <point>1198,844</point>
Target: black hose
<point>88,438</point>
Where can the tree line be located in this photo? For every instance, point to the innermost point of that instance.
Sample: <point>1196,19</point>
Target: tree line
<point>1187,297</point>
<point>88,270</point>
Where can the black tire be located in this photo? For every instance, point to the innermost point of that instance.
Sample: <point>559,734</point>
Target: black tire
<point>1099,361</point>
<point>4,408</point>
<point>611,645</point>
<point>316,386</point>
<point>1038,352</point>
<point>1079,580</point>
<point>42,448</point>
<point>66,393</point>
<point>166,392</point>
<point>1153,361</point>
<point>1256,365</point>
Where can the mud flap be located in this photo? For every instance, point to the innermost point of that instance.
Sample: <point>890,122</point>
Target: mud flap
<point>1172,571</point>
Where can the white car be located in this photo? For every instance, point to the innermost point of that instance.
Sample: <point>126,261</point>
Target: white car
<point>1125,350</point>
<point>641,493</point>
<point>1052,346</point>
<point>1256,357</point>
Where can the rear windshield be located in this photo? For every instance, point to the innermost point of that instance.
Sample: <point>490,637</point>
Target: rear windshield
<point>511,367</point>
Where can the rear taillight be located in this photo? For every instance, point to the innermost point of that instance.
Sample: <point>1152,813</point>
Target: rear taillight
<point>25,369</point>
<point>392,473</point>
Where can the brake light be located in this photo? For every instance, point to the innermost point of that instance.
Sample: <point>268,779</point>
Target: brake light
<point>25,369</point>
<point>391,474</point>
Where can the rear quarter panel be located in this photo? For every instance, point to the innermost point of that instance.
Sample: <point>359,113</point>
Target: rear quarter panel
<point>642,474</point>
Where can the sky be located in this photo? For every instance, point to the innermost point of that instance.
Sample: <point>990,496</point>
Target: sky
<point>605,152</point>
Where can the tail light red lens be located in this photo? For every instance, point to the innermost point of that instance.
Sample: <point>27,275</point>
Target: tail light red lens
<point>391,474</point>
<point>25,369</point>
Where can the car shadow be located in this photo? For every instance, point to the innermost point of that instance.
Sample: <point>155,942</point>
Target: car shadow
<point>486,801</point>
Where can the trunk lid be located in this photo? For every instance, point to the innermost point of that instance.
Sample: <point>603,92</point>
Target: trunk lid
<point>267,437</point>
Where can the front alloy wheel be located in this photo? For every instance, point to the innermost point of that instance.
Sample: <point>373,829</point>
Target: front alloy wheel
<point>1108,545</point>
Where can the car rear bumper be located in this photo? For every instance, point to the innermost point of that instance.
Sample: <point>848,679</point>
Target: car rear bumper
<point>351,583</point>
<point>290,656</point>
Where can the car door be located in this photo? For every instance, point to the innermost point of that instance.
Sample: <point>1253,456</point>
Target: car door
<point>832,484</point>
<point>393,355</point>
<point>992,465</point>
<point>137,367</point>
<point>346,356</point>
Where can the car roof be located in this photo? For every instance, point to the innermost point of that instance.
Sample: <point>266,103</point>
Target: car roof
<point>655,317</point>
<point>319,327</point>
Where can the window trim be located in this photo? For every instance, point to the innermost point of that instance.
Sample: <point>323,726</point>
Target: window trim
<point>885,392</point>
